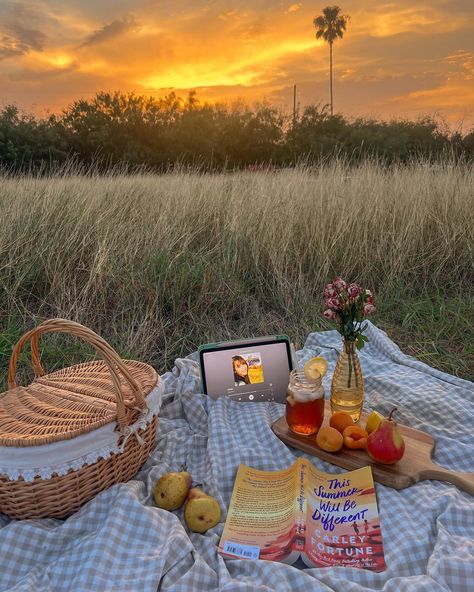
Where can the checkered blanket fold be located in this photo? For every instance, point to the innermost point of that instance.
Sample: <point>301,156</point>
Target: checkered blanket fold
<point>121,542</point>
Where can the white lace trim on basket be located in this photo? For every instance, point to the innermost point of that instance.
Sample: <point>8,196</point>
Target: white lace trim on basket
<point>86,449</point>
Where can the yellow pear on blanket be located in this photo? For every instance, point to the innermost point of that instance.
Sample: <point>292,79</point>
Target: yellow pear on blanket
<point>202,511</point>
<point>171,490</point>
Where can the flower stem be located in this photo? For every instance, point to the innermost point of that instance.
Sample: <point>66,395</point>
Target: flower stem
<point>355,373</point>
<point>350,372</point>
<point>349,348</point>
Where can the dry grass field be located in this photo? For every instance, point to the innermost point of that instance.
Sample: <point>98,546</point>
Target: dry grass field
<point>160,264</point>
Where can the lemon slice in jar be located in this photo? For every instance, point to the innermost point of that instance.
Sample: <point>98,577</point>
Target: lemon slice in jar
<point>315,368</point>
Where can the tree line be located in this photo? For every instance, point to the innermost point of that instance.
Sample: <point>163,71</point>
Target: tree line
<point>125,128</point>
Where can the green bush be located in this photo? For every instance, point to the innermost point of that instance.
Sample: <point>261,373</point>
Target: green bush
<point>117,128</point>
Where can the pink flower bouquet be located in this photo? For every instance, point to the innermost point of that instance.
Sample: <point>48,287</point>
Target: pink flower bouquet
<point>348,305</point>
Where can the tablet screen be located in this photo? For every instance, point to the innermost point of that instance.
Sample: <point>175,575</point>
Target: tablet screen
<point>256,372</point>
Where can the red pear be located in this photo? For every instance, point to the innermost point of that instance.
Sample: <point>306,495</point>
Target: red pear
<point>385,444</point>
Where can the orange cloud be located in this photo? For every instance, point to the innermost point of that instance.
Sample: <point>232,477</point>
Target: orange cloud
<point>396,57</point>
<point>112,30</point>
<point>439,100</point>
<point>293,7</point>
<point>421,19</point>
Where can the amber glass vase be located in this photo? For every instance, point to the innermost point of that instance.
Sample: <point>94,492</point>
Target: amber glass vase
<point>347,386</point>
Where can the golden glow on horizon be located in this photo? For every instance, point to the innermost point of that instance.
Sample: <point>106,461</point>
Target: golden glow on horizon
<point>245,72</point>
<point>58,60</point>
<point>401,57</point>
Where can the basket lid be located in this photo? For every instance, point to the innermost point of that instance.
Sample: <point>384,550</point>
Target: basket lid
<point>74,400</point>
<point>67,403</point>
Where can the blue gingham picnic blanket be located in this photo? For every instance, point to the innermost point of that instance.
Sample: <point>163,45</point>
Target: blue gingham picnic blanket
<point>120,541</point>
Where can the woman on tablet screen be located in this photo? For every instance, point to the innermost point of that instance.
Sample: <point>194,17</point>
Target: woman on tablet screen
<point>241,370</point>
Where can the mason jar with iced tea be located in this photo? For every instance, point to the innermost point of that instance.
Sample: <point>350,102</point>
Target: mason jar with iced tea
<point>304,403</point>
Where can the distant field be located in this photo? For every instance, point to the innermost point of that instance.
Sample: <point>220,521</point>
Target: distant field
<point>160,264</point>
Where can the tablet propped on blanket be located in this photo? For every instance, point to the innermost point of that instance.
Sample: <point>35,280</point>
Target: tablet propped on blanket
<point>248,370</point>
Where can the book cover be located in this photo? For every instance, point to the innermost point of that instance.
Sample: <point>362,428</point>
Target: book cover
<point>327,520</point>
<point>342,521</point>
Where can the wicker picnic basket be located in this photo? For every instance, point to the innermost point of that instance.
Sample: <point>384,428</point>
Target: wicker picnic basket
<point>66,405</point>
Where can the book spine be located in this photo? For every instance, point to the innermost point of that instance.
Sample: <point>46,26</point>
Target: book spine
<point>301,503</point>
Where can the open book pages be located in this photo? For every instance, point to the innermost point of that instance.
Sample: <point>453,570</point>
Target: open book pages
<point>327,520</point>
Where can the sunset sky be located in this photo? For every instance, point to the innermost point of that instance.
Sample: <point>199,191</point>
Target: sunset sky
<point>398,59</point>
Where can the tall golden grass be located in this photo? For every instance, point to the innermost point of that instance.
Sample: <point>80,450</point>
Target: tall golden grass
<point>158,264</point>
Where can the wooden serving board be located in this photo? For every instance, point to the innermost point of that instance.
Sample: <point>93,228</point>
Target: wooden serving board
<point>416,464</point>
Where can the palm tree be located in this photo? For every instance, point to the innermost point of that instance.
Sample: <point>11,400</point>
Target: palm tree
<point>330,25</point>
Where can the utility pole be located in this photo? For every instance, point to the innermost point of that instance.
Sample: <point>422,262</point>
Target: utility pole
<point>330,75</point>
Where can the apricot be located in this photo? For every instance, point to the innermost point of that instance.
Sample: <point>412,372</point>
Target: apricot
<point>355,437</point>
<point>329,439</point>
<point>341,420</point>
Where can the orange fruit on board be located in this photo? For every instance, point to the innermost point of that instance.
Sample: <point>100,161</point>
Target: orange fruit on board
<point>329,439</point>
<point>341,420</point>
<point>355,437</point>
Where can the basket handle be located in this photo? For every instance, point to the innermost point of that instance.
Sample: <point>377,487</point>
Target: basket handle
<point>114,363</point>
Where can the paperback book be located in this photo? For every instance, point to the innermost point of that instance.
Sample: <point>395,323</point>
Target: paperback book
<point>327,520</point>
